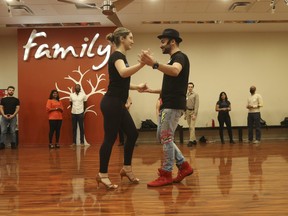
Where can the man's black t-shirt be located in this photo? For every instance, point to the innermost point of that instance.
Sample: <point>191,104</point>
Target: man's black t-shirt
<point>9,104</point>
<point>174,89</point>
<point>118,86</point>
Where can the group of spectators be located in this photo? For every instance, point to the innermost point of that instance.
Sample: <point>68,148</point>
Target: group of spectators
<point>223,107</point>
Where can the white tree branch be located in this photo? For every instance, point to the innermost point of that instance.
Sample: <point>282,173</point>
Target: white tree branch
<point>94,88</point>
<point>62,91</point>
<point>89,110</point>
<point>81,75</point>
<point>93,91</point>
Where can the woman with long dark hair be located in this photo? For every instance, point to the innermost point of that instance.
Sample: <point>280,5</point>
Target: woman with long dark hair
<point>54,108</point>
<point>113,108</point>
<point>223,107</point>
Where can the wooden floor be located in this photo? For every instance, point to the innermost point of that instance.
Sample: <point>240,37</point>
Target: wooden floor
<point>239,179</point>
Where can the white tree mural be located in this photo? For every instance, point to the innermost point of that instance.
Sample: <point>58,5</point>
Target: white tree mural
<point>80,81</point>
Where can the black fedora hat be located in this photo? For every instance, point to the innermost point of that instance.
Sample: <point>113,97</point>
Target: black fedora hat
<point>171,33</point>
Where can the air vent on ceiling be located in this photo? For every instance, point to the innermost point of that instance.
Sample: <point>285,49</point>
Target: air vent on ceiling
<point>85,6</point>
<point>20,10</point>
<point>46,25</point>
<point>217,22</point>
<point>239,7</point>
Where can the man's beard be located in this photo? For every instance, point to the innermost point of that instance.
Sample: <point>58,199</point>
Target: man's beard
<point>166,49</point>
<point>10,94</point>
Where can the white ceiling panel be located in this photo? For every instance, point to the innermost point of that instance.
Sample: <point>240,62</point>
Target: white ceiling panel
<point>196,7</point>
<point>185,15</point>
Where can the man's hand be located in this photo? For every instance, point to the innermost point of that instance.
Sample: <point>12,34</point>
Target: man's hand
<point>194,117</point>
<point>249,107</point>
<point>147,58</point>
<point>8,116</point>
<point>142,87</point>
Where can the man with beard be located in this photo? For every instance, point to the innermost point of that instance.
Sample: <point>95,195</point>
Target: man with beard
<point>9,108</point>
<point>255,102</point>
<point>173,95</point>
<point>78,105</point>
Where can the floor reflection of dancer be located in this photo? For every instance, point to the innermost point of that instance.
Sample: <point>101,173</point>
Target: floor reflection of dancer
<point>78,195</point>
<point>174,197</point>
<point>55,176</point>
<point>9,181</point>
<point>255,161</point>
<point>225,179</point>
<point>193,182</point>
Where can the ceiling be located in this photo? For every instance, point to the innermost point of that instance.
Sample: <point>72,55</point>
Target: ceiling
<point>150,15</point>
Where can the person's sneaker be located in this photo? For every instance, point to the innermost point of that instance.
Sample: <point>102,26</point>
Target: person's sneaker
<point>256,142</point>
<point>86,144</point>
<point>165,178</point>
<point>121,144</point>
<point>2,146</point>
<point>190,143</point>
<point>13,146</point>
<point>184,170</point>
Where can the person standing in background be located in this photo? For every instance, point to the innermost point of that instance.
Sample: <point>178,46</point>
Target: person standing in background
<point>192,106</point>
<point>255,102</point>
<point>9,109</point>
<point>54,108</point>
<point>78,101</point>
<point>223,107</point>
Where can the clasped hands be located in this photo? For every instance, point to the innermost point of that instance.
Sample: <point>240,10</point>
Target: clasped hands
<point>8,116</point>
<point>146,58</point>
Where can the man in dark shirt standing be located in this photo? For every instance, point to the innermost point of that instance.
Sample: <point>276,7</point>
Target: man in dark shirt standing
<point>9,108</point>
<point>173,94</point>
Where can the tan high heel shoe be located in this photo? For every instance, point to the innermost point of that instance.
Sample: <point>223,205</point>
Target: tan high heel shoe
<point>104,179</point>
<point>129,174</point>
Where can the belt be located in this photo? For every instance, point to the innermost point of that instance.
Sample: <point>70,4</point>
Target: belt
<point>190,109</point>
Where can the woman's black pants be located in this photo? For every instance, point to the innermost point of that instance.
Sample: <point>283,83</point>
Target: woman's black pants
<point>225,118</point>
<point>55,127</point>
<point>116,116</point>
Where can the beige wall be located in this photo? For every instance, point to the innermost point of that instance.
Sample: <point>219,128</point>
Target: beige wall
<point>228,62</point>
<point>8,62</point>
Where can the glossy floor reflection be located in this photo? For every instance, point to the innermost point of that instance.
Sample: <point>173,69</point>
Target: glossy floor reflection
<point>239,179</point>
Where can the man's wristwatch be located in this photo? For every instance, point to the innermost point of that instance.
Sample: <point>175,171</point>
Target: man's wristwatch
<point>155,65</point>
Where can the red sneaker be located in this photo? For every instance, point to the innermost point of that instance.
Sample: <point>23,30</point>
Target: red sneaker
<point>165,178</point>
<point>184,170</point>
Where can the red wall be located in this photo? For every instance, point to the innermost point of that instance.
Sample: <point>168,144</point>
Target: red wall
<point>37,77</point>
